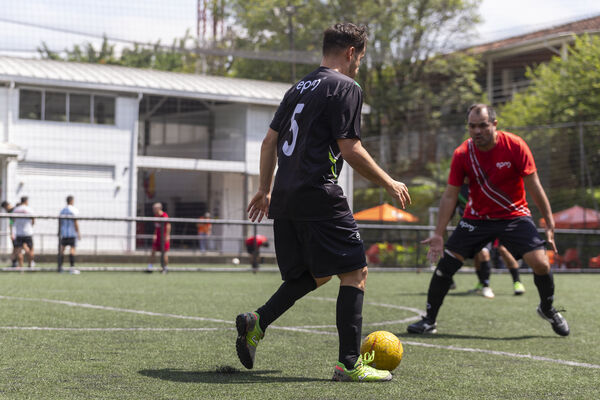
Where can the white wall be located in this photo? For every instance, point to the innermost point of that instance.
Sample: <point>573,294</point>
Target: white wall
<point>3,111</point>
<point>230,125</point>
<point>64,158</point>
<point>259,118</point>
<point>231,197</point>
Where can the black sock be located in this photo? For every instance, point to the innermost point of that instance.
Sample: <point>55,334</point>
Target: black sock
<point>72,260</point>
<point>348,319</point>
<point>284,298</point>
<point>478,272</point>
<point>440,284</point>
<point>484,273</point>
<point>545,286</point>
<point>515,274</point>
<point>60,261</point>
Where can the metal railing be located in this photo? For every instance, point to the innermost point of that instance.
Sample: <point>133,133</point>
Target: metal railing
<point>386,245</point>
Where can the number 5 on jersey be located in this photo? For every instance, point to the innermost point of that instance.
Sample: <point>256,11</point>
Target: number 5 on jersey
<point>287,148</point>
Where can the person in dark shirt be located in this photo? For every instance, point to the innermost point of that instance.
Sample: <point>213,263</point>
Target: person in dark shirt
<point>315,129</point>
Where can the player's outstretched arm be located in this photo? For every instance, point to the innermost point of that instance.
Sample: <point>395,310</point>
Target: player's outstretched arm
<point>362,162</point>
<point>535,189</point>
<point>259,205</point>
<point>447,205</point>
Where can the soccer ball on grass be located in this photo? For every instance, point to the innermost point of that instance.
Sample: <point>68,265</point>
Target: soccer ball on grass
<point>387,347</point>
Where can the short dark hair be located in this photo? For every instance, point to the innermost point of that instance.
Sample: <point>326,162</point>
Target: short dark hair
<point>479,107</point>
<point>4,204</point>
<point>341,36</point>
<point>24,199</point>
<point>69,199</point>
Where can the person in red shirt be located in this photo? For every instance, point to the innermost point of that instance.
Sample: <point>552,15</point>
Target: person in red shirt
<point>157,238</point>
<point>253,245</point>
<point>499,166</point>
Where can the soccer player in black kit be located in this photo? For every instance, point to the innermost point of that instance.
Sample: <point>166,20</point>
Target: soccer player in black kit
<point>315,129</point>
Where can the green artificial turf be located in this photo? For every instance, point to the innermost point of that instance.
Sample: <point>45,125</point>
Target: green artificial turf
<point>145,342</point>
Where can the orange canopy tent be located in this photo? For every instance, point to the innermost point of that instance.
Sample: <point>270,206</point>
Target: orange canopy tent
<point>575,217</point>
<point>386,213</point>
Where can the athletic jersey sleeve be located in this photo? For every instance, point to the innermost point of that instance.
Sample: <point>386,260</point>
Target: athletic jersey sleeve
<point>456,177</point>
<point>279,117</point>
<point>344,110</point>
<point>524,159</point>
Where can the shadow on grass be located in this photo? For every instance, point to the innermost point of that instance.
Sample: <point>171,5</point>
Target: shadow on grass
<point>468,337</point>
<point>258,376</point>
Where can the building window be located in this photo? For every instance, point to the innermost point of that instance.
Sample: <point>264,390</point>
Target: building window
<point>30,104</point>
<point>66,107</point>
<point>104,110</point>
<point>80,108</point>
<point>55,107</point>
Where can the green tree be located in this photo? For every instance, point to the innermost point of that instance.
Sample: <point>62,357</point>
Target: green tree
<point>561,90</point>
<point>552,112</point>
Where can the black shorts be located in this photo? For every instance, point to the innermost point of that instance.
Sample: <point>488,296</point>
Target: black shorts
<point>518,235</point>
<point>21,240</point>
<point>250,248</point>
<point>324,248</point>
<point>68,241</point>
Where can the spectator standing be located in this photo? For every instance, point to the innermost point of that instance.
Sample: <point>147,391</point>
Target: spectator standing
<point>9,208</point>
<point>204,230</point>
<point>157,238</point>
<point>68,234</point>
<point>24,232</point>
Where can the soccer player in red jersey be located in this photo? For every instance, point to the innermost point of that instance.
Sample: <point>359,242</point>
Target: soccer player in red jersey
<point>499,166</point>
<point>157,238</point>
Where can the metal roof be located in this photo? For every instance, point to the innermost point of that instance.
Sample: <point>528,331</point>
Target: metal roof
<point>135,80</point>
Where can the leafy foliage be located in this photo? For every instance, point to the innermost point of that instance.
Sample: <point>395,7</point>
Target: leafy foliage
<point>561,90</point>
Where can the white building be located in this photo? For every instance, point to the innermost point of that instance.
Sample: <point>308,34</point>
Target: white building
<point>120,139</point>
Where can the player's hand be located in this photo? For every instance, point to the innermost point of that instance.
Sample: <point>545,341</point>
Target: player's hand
<point>550,239</point>
<point>436,247</point>
<point>258,206</point>
<point>399,191</point>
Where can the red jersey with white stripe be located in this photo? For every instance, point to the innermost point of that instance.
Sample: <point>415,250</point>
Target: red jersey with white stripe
<point>159,225</point>
<point>496,189</point>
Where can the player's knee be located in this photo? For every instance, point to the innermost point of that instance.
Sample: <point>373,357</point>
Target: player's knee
<point>356,278</point>
<point>448,266</point>
<point>538,261</point>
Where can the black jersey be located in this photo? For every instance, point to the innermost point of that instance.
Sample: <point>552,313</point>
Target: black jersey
<point>322,107</point>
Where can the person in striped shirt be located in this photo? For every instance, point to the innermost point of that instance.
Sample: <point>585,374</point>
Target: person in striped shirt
<point>499,166</point>
<point>69,234</point>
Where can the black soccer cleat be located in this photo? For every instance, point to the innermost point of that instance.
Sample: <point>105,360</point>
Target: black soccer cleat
<point>424,326</point>
<point>558,322</point>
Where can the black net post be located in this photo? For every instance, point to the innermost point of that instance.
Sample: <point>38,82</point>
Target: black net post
<point>256,249</point>
<point>162,244</point>
<point>59,252</point>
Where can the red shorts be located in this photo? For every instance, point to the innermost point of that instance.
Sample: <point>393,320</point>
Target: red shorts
<point>156,245</point>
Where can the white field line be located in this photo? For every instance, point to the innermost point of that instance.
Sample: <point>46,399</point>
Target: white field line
<point>108,308</point>
<point>302,330</point>
<point>504,353</point>
<point>49,328</point>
